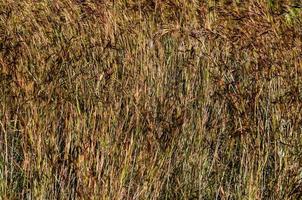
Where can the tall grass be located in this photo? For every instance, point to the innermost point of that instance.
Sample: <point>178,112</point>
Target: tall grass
<point>150,99</point>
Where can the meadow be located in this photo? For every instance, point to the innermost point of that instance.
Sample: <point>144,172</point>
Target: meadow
<point>151,99</point>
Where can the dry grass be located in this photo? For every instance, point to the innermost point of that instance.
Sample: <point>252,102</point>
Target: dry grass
<point>150,99</point>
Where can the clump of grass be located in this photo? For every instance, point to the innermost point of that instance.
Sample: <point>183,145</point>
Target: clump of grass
<point>150,100</point>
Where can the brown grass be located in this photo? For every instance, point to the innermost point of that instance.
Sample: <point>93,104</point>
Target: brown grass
<point>150,99</point>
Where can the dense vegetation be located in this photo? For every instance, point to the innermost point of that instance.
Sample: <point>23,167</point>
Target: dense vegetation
<point>150,99</point>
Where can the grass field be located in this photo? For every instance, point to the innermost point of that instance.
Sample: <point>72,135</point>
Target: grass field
<point>150,99</point>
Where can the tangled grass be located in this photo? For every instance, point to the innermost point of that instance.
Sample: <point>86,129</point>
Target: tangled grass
<point>150,99</point>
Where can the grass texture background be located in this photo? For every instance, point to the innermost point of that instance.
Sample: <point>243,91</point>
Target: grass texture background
<point>150,99</point>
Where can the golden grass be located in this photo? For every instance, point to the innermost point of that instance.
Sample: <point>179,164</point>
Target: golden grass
<point>150,99</point>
